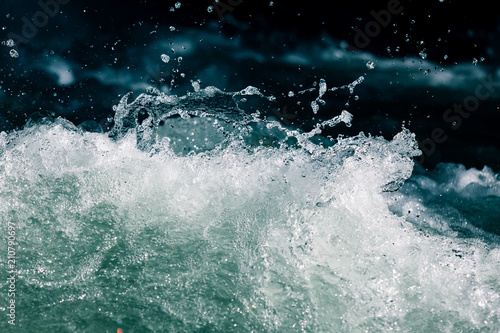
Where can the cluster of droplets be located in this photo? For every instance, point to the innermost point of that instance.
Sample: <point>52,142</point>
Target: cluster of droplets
<point>10,43</point>
<point>149,114</point>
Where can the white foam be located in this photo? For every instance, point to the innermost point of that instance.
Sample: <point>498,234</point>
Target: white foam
<point>273,238</point>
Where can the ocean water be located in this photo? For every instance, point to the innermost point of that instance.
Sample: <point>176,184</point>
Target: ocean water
<point>194,216</point>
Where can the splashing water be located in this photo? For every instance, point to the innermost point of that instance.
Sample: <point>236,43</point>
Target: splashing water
<point>195,215</point>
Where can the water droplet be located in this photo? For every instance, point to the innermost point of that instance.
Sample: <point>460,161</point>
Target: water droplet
<point>196,85</point>
<point>322,87</point>
<point>370,65</point>
<point>14,54</point>
<point>165,58</point>
<point>177,5</point>
<point>315,107</point>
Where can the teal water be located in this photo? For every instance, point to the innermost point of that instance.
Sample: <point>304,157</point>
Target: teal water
<point>226,224</point>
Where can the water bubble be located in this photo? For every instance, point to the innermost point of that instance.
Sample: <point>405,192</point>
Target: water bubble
<point>291,94</point>
<point>370,65</point>
<point>10,43</point>
<point>210,9</point>
<point>172,28</point>
<point>422,54</point>
<point>177,5</point>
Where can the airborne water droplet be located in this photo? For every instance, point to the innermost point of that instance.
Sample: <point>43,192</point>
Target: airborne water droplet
<point>315,107</point>
<point>14,54</point>
<point>165,58</point>
<point>322,87</point>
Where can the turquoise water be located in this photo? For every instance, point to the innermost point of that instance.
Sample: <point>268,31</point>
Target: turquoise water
<point>215,222</point>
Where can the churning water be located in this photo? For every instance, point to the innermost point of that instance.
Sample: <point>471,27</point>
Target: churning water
<point>193,215</point>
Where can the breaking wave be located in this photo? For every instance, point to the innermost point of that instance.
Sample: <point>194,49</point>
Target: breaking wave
<point>195,213</point>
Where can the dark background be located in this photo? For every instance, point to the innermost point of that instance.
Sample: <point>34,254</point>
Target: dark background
<point>93,33</point>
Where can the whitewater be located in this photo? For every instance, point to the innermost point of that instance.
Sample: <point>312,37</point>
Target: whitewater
<point>193,215</point>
